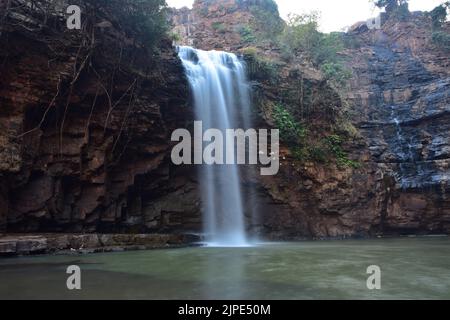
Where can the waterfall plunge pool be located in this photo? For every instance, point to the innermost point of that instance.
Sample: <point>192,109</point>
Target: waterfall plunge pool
<point>411,268</point>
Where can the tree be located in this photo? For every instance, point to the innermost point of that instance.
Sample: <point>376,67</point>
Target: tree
<point>302,35</point>
<point>440,37</point>
<point>391,5</point>
<point>302,32</point>
<point>439,15</point>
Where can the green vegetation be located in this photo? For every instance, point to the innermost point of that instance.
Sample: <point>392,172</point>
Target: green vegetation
<point>204,11</point>
<point>302,35</point>
<point>441,39</point>
<point>219,27</point>
<point>267,5</point>
<point>393,6</point>
<point>351,41</point>
<point>336,73</point>
<point>175,37</point>
<point>438,16</point>
<point>301,104</point>
<point>297,137</point>
<point>291,131</point>
<point>259,67</point>
<point>247,34</point>
<point>334,144</point>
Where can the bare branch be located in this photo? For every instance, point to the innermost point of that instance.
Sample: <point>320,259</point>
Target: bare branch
<point>117,103</point>
<point>52,103</point>
<point>125,119</point>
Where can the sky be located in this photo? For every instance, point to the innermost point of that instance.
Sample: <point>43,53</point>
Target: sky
<point>335,15</point>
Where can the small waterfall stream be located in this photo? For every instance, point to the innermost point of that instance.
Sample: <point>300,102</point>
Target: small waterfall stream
<point>408,160</point>
<point>221,99</point>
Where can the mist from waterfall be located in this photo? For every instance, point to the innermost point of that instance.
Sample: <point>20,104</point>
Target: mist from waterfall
<point>222,101</point>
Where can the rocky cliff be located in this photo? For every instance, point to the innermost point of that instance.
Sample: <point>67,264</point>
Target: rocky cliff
<point>400,95</point>
<point>85,124</point>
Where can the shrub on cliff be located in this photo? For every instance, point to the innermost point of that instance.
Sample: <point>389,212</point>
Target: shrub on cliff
<point>441,39</point>
<point>259,67</point>
<point>439,15</point>
<point>305,147</point>
<point>336,73</point>
<point>247,34</point>
<point>291,131</point>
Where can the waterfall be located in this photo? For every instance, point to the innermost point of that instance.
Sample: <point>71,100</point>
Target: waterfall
<point>221,99</point>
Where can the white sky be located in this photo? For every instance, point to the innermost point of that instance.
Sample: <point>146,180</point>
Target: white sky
<point>335,14</point>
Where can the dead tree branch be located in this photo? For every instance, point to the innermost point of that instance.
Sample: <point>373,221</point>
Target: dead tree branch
<point>52,103</point>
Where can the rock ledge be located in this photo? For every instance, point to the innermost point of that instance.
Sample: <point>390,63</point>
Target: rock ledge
<point>25,244</point>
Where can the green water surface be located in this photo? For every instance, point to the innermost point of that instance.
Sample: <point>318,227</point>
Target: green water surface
<point>411,268</point>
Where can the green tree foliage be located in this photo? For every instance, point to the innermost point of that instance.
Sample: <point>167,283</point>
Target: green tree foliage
<point>439,15</point>
<point>302,35</point>
<point>324,150</point>
<point>291,131</point>
<point>442,40</point>
<point>390,5</point>
<point>440,37</point>
<point>268,5</point>
<point>302,32</point>
<point>219,27</point>
<point>394,8</point>
<point>259,67</point>
<point>334,145</point>
<point>336,73</point>
<point>247,34</point>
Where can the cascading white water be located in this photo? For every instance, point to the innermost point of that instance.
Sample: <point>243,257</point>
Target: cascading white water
<point>221,98</point>
<point>408,162</point>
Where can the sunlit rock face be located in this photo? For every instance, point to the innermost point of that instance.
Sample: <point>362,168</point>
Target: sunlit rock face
<point>221,25</point>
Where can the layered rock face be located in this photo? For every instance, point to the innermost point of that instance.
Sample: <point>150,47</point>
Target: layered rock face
<point>400,94</point>
<point>85,124</point>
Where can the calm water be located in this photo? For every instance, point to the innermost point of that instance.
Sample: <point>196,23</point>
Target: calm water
<point>415,268</point>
